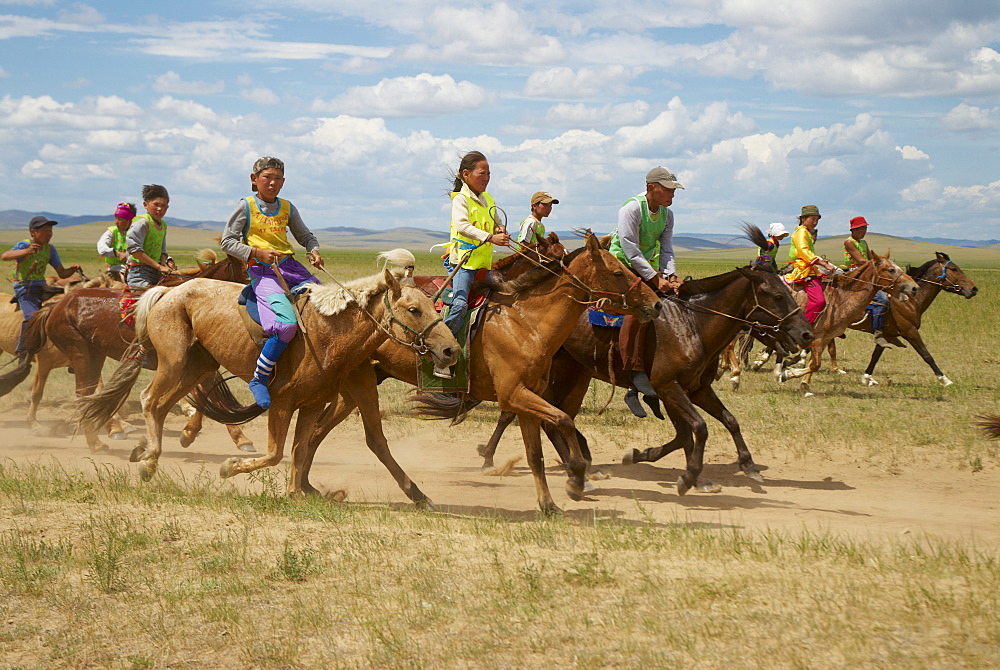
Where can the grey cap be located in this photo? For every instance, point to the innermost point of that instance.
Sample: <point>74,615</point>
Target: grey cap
<point>39,221</point>
<point>662,176</point>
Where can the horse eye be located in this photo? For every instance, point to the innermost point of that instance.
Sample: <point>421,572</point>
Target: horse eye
<point>413,310</point>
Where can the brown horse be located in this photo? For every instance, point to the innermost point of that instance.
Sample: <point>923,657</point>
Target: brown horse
<point>198,328</point>
<point>903,318</point>
<point>847,297</point>
<point>681,357</point>
<point>525,323</point>
<point>87,327</point>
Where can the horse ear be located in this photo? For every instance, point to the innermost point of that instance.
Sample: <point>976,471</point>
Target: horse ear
<point>392,284</point>
<point>941,256</point>
<point>875,257</point>
<point>593,246</point>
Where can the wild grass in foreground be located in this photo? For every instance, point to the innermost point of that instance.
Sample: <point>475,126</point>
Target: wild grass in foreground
<point>189,573</point>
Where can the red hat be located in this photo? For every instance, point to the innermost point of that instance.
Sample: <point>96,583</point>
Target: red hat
<point>858,222</point>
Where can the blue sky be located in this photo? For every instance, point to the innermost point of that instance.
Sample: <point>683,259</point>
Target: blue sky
<point>886,109</point>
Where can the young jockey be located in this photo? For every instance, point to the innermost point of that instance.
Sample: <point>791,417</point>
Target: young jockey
<point>532,228</point>
<point>32,255</point>
<point>256,232</point>
<point>856,252</point>
<point>147,240</point>
<point>769,254</point>
<point>805,261</point>
<point>112,245</point>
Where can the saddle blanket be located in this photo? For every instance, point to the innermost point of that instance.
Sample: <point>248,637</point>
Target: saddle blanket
<point>604,319</point>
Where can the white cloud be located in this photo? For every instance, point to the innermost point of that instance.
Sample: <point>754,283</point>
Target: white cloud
<point>587,82</point>
<point>969,117</point>
<point>676,129</point>
<point>911,153</point>
<point>583,116</point>
<point>81,14</point>
<point>423,95</point>
<point>171,82</point>
<point>260,96</point>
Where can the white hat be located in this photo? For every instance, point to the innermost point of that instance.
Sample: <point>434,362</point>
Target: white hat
<point>776,229</point>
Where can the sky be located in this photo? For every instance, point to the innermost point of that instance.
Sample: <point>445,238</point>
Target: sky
<point>887,109</point>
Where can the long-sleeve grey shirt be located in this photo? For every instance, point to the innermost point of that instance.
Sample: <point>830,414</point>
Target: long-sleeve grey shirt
<point>105,249</point>
<point>232,235</point>
<point>136,236</point>
<point>629,220</point>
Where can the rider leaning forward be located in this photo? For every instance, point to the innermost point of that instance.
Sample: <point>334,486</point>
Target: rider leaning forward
<point>147,240</point>
<point>256,233</point>
<point>645,236</point>
<point>112,245</point>
<point>806,264</point>
<point>856,252</point>
<point>32,256</point>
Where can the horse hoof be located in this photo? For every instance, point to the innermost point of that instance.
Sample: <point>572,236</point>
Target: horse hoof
<point>338,496</point>
<point>247,447</point>
<point>734,384</point>
<point>117,436</point>
<point>808,394</point>
<point>840,372</point>
<point>146,470</point>
<point>574,490</point>
<point>588,486</point>
<point>100,447</point>
<point>597,474</point>
<point>629,457</point>
<point>682,486</point>
<point>186,440</point>
<point>754,475</point>
<point>226,470</point>
<point>425,505</point>
<point>136,454</point>
<point>868,380</point>
<point>945,381</point>
<point>706,486</point>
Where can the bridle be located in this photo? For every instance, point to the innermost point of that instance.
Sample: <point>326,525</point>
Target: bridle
<point>755,325</point>
<point>947,284</point>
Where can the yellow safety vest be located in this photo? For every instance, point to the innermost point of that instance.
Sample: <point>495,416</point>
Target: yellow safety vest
<point>267,231</point>
<point>482,218</point>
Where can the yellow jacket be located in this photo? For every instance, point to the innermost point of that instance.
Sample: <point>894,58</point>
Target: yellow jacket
<point>802,256</point>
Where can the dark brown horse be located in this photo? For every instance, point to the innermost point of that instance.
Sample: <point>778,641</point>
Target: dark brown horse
<point>681,357</point>
<point>87,327</point>
<point>903,319</point>
<point>524,325</point>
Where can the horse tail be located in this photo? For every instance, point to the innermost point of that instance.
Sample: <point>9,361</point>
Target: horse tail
<point>744,344</point>
<point>754,234</point>
<point>990,425</point>
<point>34,340</point>
<point>214,399</point>
<point>440,406</point>
<point>93,411</point>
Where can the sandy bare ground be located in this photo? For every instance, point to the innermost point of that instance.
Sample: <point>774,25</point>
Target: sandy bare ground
<point>842,497</point>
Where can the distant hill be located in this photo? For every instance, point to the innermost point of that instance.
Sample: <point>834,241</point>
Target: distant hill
<point>957,243</point>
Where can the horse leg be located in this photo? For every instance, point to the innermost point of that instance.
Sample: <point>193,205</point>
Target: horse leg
<point>532,436</point>
<point>278,419</point>
<point>831,349</point>
<point>682,440</point>
<point>706,399</point>
<point>191,429</point>
<point>87,370</point>
<point>37,389</point>
<point>692,434</point>
<point>762,358</point>
<point>331,416</point>
<point>867,379</point>
<point>489,450</point>
<point>921,348</point>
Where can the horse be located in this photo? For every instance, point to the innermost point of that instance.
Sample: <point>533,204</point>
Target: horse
<point>846,299</point>
<point>903,318</point>
<point>87,327</point>
<point>524,324</point>
<point>198,329</point>
<point>682,356</point>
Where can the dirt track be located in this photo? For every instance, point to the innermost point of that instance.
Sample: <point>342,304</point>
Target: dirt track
<point>819,494</point>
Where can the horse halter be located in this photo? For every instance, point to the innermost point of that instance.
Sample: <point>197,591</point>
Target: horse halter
<point>601,302</point>
<point>946,284</point>
<point>419,343</point>
<point>753,325</point>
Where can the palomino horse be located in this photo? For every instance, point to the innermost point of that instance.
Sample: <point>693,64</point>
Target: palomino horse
<point>87,327</point>
<point>682,357</point>
<point>903,317</point>
<point>846,299</point>
<point>525,323</point>
<point>198,328</point>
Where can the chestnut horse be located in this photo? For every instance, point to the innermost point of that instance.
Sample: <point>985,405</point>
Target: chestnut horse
<point>198,329</point>
<point>525,323</point>
<point>681,358</point>
<point>847,297</point>
<point>903,318</point>
<point>87,327</point>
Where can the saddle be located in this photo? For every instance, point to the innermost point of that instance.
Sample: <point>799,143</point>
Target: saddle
<point>250,313</point>
<point>476,299</point>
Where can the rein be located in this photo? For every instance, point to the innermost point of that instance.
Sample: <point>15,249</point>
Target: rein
<point>947,284</point>
<point>755,325</point>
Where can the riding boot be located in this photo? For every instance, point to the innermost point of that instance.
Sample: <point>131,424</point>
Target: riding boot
<point>640,382</point>
<point>882,342</point>
<point>632,400</point>
<point>268,358</point>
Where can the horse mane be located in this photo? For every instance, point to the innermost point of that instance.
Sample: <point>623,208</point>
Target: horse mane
<point>532,277</point>
<point>917,273</point>
<point>332,299</point>
<point>693,287</point>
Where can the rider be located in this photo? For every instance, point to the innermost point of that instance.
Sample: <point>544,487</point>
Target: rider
<point>856,252</point>
<point>644,236</point>
<point>112,245</point>
<point>147,240</point>
<point>775,233</point>
<point>474,227</point>
<point>32,255</point>
<point>532,228</point>
<point>256,232</point>
<point>805,261</point>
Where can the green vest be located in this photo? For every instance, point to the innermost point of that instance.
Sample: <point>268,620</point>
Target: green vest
<point>481,217</point>
<point>539,232</point>
<point>34,265</point>
<point>649,235</point>
<point>153,244</point>
<point>862,246</point>
<point>118,243</point>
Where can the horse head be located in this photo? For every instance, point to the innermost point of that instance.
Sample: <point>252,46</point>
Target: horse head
<point>945,272</point>
<point>612,285</point>
<point>889,276</point>
<point>410,317</point>
<point>775,311</point>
